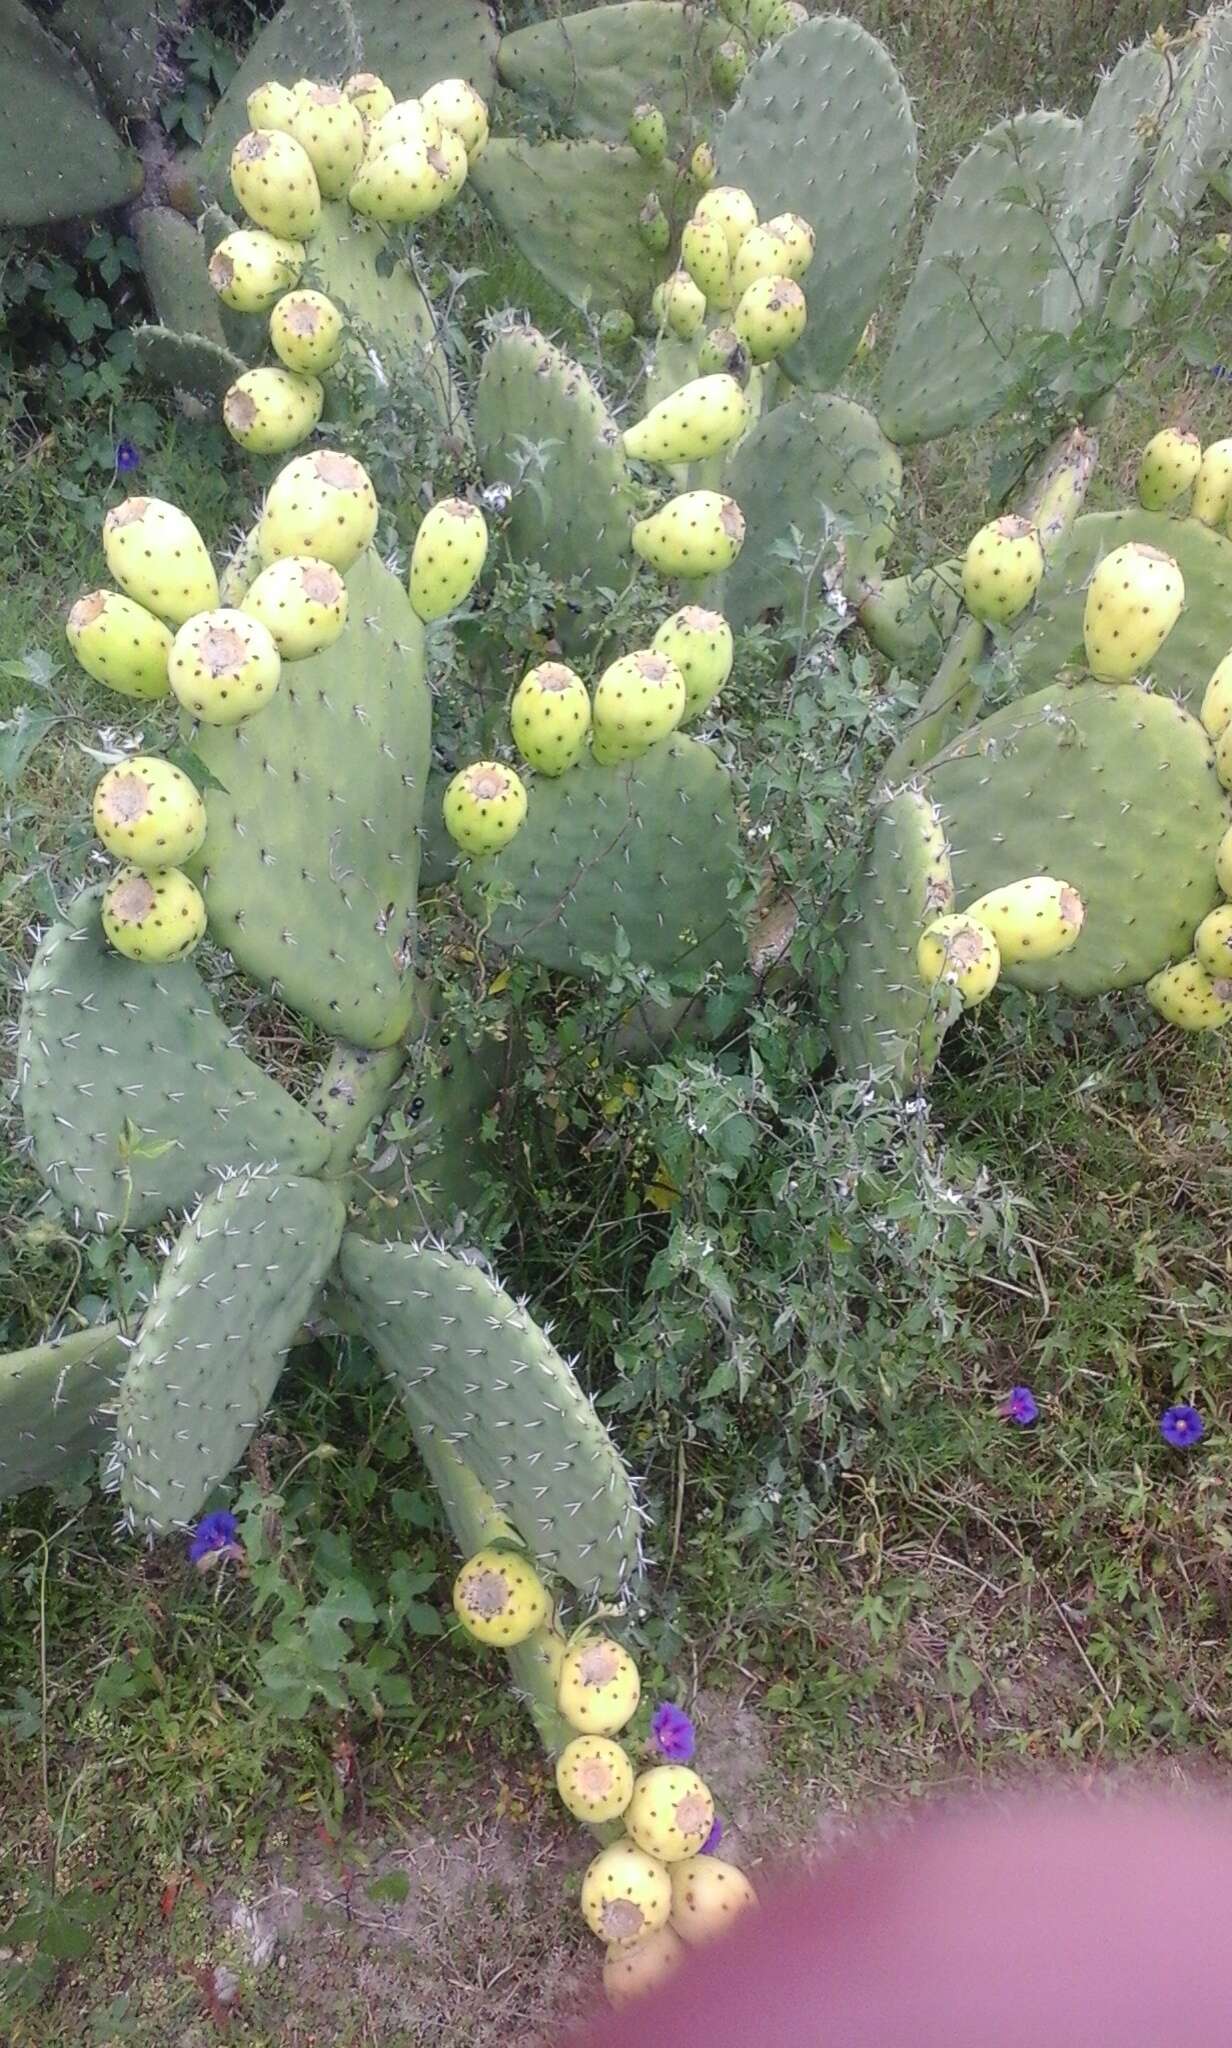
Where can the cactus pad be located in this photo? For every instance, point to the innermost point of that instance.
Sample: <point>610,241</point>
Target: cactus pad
<point>589,71</point>
<point>413,43</point>
<point>824,466</point>
<point>53,1405</point>
<point>573,511</point>
<point>572,209</point>
<point>185,362</point>
<point>133,1091</point>
<point>349,260</point>
<point>1109,158</point>
<point>1051,633</point>
<point>650,848</point>
<point>822,127</point>
<point>119,45</point>
<point>245,1272</point>
<point>59,155</point>
<point>979,287</point>
<point>311,856</point>
<point>173,263</point>
<point>473,1368</point>
<point>448,1091</point>
<point>886,1019</point>
<point>1108,786</point>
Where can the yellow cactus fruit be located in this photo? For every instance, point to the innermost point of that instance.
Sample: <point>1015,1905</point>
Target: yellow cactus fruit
<point>671,1813</point>
<point>700,643</point>
<point>598,1686</point>
<point>1169,467</point>
<point>307,332</point>
<point>708,1896</point>
<point>633,1968</point>
<point>770,317</point>
<point>331,129</point>
<point>728,207</point>
<point>269,411</point>
<point>1002,569</point>
<point>698,533</point>
<point>1133,601</point>
<point>793,233</point>
<point>456,105</point>
<point>120,643</point>
<point>152,916</point>
<point>963,954</point>
<point>594,1778</point>
<point>370,94</point>
<point>550,717</point>
<point>274,181</point>
<point>1223,757</point>
<point>1187,996</point>
<point>626,1894</point>
<point>762,253</point>
<point>1223,863</point>
<point>159,559</point>
<point>301,603</point>
<point>146,811</point>
<point>499,1597</point>
<point>1212,491</point>
<point>448,557</point>
<point>639,699</point>
<point>704,417</point>
<point>321,505</point>
<point>1216,712</point>
<point>251,269</point>
<point>271,106</point>
<point>679,305</point>
<point>705,254</point>
<point>484,806</point>
<point>1035,919</point>
<point>1213,943</point>
<point>224,666</point>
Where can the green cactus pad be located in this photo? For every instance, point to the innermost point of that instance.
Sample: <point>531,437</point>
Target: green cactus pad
<point>311,856</point>
<point>447,1092</point>
<point>117,41</point>
<point>1193,137</point>
<point>950,701</point>
<point>589,71</point>
<point>350,261</point>
<point>174,255</point>
<point>572,515</point>
<point>823,466</point>
<point>978,291</point>
<point>59,155</point>
<point>474,1369</point>
<point>413,43</point>
<point>318,39</point>
<point>650,848</point>
<point>822,127</point>
<point>1051,633</point>
<point>572,209</point>
<point>133,1091</point>
<point>910,618</point>
<point>1108,787</point>
<point>887,1020</point>
<point>243,1275</point>
<point>54,1400</point>
<point>1109,158</point>
<point>352,1090</point>
<point>185,362</point>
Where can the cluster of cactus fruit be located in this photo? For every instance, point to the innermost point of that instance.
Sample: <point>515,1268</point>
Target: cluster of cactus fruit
<point>1075,837</point>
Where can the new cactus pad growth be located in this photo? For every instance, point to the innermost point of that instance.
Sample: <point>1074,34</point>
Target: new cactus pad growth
<point>1134,600</point>
<point>499,1598</point>
<point>1002,569</point>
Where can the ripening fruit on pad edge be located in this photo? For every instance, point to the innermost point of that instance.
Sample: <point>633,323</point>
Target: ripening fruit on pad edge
<point>499,1598</point>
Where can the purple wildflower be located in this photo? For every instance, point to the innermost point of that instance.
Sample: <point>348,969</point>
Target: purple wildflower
<point>127,457</point>
<point>710,1845</point>
<point>213,1539</point>
<point>1020,1406</point>
<point>671,1732</point>
<point>1181,1426</point>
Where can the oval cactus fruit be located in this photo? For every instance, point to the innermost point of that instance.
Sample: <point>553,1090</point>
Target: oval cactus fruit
<point>271,106</point>
<point>499,1597</point>
<point>1133,601</point>
<point>696,534</point>
<point>404,182</point>
<point>653,227</point>
<point>270,411</point>
<point>301,603</point>
<point>447,559</point>
<point>159,559</point>
<point>321,505</point>
<point>626,1894</point>
<point>453,161</point>
<point>727,207</point>
<point>771,315</point>
<point>1216,713</point>
<point>594,1778</point>
<point>330,128</point>
<point>273,179</point>
<point>634,1968</point>
<point>679,304</point>
<point>648,133</point>
<point>1213,943</point>
<point>722,352</point>
<point>147,812</point>
<point>727,68</point>
<point>306,330</point>
<point>484,806</point>
<point>1187,996</point>
<point>1212,491</point>
<point>700,644</point>
<point>797,238</point>
<point>962,953</point>
<point>762,253</point>
<point>550,717</point>
<point>1169,467</point>
<point>1035,919</point>
<point>703,165</point>
<point>638,699</point>
<point>120,643</point>
<point>1002,569</point>
<point>598,1686</point>
<point>1223,757</point>
<point>250,269</point>
<point>224,666</point>
<point>455,104</point>
<point>406,122</point>
<point>706,257</point>
<point>370,94</point>
<point>708,1895</point>
<point>155,916</point>
<point>1223,863</point>
<point>671,1813</point>
<point>702,418</point>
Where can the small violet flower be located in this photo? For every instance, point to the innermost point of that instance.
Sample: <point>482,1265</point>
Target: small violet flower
<point>671,1732</point>
<point>127,457</point>
<point>1181,1426</point>
<point>213,1539</point>
<point>1020,1406</point>
<point>710,1845</point>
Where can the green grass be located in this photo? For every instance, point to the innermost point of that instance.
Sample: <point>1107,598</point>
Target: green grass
<point>974,1600</point>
